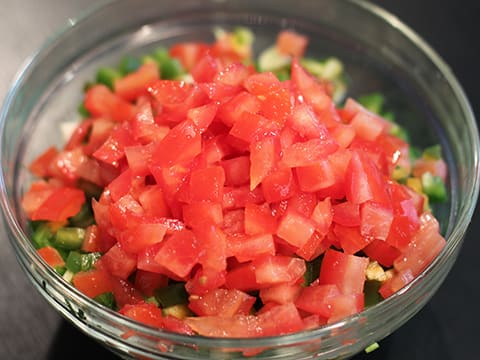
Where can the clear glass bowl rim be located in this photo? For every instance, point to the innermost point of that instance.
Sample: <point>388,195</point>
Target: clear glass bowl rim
<point>386,306</point>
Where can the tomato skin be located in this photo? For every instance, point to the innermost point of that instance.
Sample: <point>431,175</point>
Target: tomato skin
<point>345,271</point>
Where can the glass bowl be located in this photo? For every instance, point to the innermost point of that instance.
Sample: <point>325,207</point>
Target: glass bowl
<point>380,54</point>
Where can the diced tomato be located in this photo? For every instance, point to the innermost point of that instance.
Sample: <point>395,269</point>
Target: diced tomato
<point>283,293</point>
<point>113,149</point>
<point>279,185</point>
<point>135,239</point>
<point>207,184</point>
<point>291,43</point>
<point>436,167</point>
<point>238,197</point>
<point>125,293</point>
<point>364,181</point>
<point>278,269</point>
<point>230,111</point>
<point>152,199</point>
<point>345,271</point>
<point>213,238</point>
<point>205,280</point>
<point>382,252</point>
<point>199,214</point>
<point>236,170</point>
<point>345,305</point>
<point>322,216</point>
<point>251,127</point>
<point>246,248</point>
<point>118,262</point>
<point>259,219</point>
<point>180,145</point>
<point>147,282</point>
<point>145,313</point>
<point>308,152</point>
<point>397,282</point>
<point>205,69</point>
<point>295,229</point>
<point>425,245</point>
<point>188,53</point>
<point>59,205</point>
<point>317,299</point>
<point>222,302</point>
<point>51,256</point>
<point>350,238</point>
<point>132,85</point>
<point>101,102</point>
<point>291,320</point>
<point>92,242</point>
<point>93,282</point>
<point>264,155</point>
<point>237,326</point>
<point>242,277</point>
<point>202,116</point>
<point>346,213</point>
<point>40,166</point>
<point>179,253</point>
<point>376,220</point>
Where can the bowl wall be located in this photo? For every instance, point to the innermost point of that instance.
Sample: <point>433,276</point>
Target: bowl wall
<point>379,54</point>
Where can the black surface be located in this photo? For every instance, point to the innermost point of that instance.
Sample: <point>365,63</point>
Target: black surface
<point>448,327</point>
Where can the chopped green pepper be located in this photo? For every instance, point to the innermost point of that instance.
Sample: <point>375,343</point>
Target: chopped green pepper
<point>107,76</point>
<point>129,64</point>
<point>434,187</point>
<point>70,238</point>
<point>106,299</point>
<point>170,295</point>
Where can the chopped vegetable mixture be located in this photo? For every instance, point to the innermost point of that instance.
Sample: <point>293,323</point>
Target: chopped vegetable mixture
<point>205,192</point>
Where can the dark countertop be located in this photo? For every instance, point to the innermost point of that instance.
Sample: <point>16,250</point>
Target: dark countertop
<point>447,328</point>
